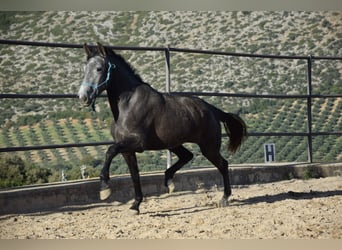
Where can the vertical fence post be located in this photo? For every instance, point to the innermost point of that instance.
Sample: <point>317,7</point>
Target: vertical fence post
<point>168,89</point>
<point>309,108</point>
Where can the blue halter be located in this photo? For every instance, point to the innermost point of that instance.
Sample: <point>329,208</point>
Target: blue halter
<point>95,86</point>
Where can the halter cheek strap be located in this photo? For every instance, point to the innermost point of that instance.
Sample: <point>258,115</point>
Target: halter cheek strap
<point>96,86</point>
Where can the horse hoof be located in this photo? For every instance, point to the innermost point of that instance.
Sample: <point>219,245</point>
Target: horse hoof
<point>170,186</point>
<point>105,193</point>
<point>134,211</point>
<point>223,203</point>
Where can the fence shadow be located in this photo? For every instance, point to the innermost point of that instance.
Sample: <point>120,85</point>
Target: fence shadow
<point>290,195</point>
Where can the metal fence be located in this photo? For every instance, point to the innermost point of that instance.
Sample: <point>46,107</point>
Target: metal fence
<point>309,96</point>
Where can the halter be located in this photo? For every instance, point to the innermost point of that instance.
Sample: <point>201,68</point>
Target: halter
<point>97,85</point>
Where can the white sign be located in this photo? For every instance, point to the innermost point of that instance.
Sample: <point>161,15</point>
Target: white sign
<point>269,152</point>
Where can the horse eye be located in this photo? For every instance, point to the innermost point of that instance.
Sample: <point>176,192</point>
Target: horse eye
<point>99,69</point>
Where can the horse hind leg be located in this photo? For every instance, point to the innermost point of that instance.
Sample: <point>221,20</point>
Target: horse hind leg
<point>184,156</point>
<point>216,158</point>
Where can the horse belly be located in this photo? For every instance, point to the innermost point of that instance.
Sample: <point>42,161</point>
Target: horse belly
<point>178,130</point>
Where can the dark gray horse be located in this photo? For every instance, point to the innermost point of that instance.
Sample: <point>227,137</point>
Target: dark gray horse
<point>145,119</point>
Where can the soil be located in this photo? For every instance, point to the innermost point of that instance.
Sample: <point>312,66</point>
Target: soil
<point>294,209</point>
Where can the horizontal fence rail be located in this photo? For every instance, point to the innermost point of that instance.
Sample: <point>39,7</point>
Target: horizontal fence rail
<point>309,96</point>
<point>266,96</point>
<point>194,51</point>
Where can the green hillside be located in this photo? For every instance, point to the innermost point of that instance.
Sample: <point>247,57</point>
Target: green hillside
<point>41,70</point>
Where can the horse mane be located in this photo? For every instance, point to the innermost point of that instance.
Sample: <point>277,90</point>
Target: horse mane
<point>127,65</point>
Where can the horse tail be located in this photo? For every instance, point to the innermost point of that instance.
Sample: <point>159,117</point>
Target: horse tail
<point>235,127</point>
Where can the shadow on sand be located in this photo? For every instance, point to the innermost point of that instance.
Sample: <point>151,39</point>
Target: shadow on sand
<point>193,209</point>
<point>286,196</point>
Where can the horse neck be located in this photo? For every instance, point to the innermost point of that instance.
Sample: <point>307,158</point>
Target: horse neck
<point>122,84</point>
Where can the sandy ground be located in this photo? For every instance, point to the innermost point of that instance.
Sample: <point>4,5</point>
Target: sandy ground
<point>289,209</point>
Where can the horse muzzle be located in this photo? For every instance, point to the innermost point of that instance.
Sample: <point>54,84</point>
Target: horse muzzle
<point>87,95</point>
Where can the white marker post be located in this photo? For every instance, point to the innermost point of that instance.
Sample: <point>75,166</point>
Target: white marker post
<point>83,168</point>
<point>63,176</point>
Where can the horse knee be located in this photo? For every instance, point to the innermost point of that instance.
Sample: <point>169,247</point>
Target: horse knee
<point>111,151</point>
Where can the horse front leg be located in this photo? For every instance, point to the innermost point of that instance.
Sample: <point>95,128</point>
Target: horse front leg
<point>105,190</point>
<point>131,161</point>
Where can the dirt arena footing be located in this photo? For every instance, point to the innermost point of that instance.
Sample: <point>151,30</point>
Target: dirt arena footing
<point>53,196</point>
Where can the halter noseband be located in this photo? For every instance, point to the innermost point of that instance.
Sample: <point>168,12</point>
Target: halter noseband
<point>97,85</point>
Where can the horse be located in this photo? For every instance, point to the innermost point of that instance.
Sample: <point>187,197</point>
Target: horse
<point>145,119</point>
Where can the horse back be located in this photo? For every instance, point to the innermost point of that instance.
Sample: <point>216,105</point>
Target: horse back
<point>187,118</point>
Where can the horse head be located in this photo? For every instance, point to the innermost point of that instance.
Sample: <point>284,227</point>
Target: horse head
<point>97,74</point>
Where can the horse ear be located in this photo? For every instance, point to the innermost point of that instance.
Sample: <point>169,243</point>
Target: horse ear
<point>87,49</point>
<point>102,49</point>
